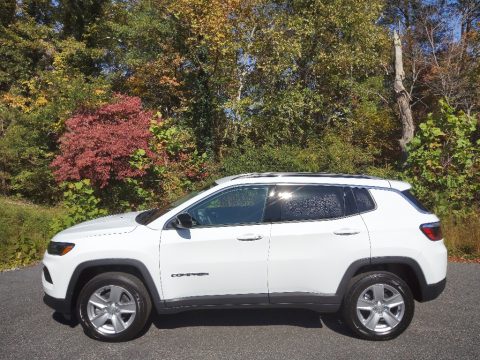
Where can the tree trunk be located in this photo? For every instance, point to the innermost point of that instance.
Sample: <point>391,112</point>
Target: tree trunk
<point>403,98</point>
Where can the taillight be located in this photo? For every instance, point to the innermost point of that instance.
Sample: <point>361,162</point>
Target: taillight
<point>433,231</point>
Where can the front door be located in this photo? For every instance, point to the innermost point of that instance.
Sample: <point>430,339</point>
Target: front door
<point>223,257</point>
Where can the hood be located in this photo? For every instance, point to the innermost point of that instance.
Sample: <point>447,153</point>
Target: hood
<point>107,225</point>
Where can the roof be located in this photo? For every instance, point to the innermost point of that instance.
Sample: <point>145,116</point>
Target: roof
<point>320,178</point>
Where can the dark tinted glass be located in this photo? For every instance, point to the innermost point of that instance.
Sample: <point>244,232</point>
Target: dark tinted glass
<point>415,201</point>
<point>363,199</point>
<point>310,202</point>
<point>243,205</point>
<point>350,205</point>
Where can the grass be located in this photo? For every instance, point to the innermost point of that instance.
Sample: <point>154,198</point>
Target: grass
<point>462,237</point>
<point>24,232</point>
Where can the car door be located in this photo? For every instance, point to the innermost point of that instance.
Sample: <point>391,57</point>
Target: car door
<point>314,240</point>
<point>222,259</point>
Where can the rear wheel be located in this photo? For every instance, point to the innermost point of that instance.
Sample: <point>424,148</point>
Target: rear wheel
<point>114,306</point>
<point>378,306</point>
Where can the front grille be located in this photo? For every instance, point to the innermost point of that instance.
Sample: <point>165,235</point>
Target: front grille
<point>46,273</point>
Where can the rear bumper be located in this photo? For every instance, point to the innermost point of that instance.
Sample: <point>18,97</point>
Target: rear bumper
<point>59,305</point>
<point>432,291</point>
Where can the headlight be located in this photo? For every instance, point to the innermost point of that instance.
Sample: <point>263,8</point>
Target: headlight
<point>59,248</point>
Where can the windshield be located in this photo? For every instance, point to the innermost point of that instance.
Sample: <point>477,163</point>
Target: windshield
<point>184,198</point>
<point>151,215</point>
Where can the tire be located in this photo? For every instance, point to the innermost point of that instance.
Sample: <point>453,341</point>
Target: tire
<point>378,306</point>
<point>114,306</point>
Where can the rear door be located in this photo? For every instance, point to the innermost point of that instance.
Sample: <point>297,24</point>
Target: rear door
<point>315,237</point>
<point>222,259</point>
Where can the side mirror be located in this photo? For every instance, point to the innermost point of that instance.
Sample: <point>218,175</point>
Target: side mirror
<point>183,221</point>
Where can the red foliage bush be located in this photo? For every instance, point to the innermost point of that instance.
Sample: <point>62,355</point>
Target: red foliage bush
<point>98,144</point>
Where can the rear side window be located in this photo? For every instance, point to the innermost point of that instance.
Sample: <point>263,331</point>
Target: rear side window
<point>310,202</point>
<point>415,201</point>
<point>363,199</point>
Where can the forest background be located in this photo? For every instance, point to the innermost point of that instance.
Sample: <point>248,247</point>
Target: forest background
<point>117,105</point>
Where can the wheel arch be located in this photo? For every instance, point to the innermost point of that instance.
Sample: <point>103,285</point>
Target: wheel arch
<point>405,268</point>
<point>87,270</point>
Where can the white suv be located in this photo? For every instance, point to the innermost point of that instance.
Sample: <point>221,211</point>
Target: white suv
<point>325,242</point>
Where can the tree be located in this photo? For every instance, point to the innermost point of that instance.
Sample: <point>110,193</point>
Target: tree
<point>440,51</point>
<point>43,79</point>
<point>129,157</point>
<point>41,11</point>
<point>309,59</point>
<point>99,144</point>
<point>213,42</point>
<point>34,108</point>
<point>78,15</point>
<point>403,98</point>
<point>146,46</point>
<point>456,61</point>
<point>230,78</point>
<point>469,11</point>
<point>24,50</point>
<point>413,20</point>
<point>444,161</point>
<point>7,12</point>
<point>237,70</point>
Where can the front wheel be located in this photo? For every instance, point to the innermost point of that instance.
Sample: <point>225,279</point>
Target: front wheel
<point>113,306</point>
<point>378,306</point>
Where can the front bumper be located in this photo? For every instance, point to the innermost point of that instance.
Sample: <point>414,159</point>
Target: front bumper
<point>60,270</point>
<point>56,276</point>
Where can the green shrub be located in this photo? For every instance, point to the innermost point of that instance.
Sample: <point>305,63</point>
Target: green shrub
<point>332,153</point>
<point>250,159</point>
<point>25,231</point>
<point>174,166</point>
<point>444,162</point>
<point>81,205</point>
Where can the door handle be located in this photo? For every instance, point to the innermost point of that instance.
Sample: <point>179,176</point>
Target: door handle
<point>249,237</point>
<point>346,232</point>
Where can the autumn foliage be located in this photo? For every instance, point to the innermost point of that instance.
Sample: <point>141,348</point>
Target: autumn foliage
<point>98,144</point>
<point>242,86</point>
<point>121,157</point>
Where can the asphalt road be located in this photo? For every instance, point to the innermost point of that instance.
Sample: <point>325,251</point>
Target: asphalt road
<point>447,328</point>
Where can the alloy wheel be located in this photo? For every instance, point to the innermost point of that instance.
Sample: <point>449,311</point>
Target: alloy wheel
<point>111,309</point>
<point>380,308</point>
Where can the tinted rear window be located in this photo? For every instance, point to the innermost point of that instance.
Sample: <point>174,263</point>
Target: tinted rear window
<point>310,202</point>
<point>414,201</point>
<point>363,199</point>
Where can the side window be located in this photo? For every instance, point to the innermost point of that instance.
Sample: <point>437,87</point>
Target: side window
<point>363,199</point>
<point>242,205</point>
<point>310,202</point>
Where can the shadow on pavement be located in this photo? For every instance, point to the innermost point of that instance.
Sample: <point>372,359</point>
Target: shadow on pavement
<point>239,317</point>
<point>61,319</point>
<point>335,323</point>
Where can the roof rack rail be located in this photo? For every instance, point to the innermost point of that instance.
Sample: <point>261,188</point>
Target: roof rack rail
<point>301,174</point>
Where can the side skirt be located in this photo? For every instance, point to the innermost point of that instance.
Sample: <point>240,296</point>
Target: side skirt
<point>315,302</point>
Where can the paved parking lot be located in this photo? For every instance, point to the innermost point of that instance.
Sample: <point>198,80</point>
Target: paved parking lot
<point>447,328</point>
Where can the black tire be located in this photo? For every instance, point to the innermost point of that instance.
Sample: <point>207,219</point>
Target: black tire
<point>139,294</point>
<point>363,282</point>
